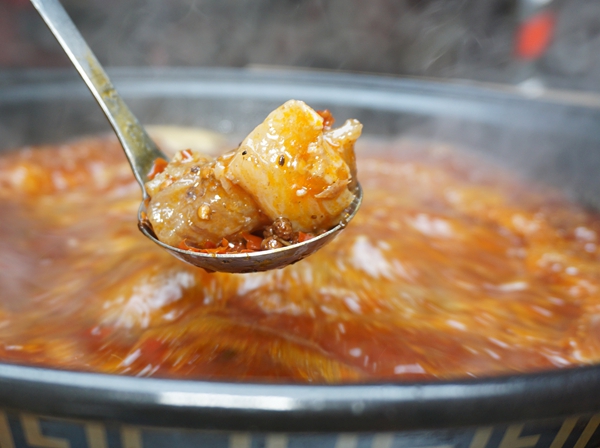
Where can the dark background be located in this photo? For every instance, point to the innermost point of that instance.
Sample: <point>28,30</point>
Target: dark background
<point>464,39</point>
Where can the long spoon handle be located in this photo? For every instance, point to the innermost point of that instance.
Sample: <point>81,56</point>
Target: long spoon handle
<point>139,147</point>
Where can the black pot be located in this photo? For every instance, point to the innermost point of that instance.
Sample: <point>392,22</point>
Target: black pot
<point>554,138</point>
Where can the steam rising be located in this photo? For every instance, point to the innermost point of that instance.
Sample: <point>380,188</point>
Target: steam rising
<point>443,38</point>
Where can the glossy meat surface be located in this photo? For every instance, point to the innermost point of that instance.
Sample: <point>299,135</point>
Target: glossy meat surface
<point>191,202</point>
<point>292,165</point>
<point>451,269</point>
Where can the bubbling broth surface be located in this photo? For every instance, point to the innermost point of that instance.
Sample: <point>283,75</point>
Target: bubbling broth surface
<point>450,269</point>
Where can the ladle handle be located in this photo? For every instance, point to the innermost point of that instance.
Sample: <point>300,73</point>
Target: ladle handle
<point>139,147</point>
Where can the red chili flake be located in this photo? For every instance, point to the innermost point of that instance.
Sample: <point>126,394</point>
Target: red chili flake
<point>158,167</point>
<point>215,250</point>
<point>187,155</point>
<point>252,241</point>
<point>184,246</point>
<point>212,248</point>
<point>302,237</point>
<point>328,119</point>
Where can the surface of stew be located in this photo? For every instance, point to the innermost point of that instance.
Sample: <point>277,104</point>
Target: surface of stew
<point>451,269</point>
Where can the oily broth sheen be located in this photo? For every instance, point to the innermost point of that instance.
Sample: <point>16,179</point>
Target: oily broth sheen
<point>450,269</point>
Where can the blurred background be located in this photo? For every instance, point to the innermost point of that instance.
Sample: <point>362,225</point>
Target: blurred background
<point>554,43</point>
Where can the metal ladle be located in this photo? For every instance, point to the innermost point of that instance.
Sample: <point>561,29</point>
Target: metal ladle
<point>141,152</point>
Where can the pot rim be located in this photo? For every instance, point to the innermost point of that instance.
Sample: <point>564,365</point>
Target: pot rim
<point>300,407</point>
